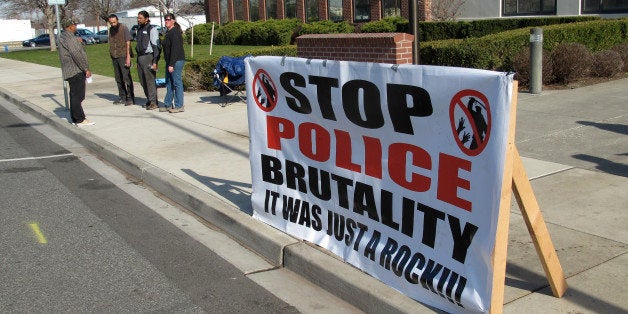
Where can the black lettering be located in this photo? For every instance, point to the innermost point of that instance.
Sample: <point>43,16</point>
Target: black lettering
<point>271,170</point>
<point>387,210</point>
<point>320,187</point>
<point>399,109</point>
<point>427,277</point>
<point>342,183</point>
<point>373,117</point>
<point>400,260</point>
<point>304,216</point>
<point>407,217</point>
<point>291,208</point>
<point>363,229</point>
<point>419,260</point>
<point>317,223</point>
<point>462,241</point>
<point>323,91</point>
<point>339,226</point>
<point>295,175</point>
<point>430,219</point>
<point>389,248</point>
<point>369,250</point>
<point>351,224</point>
<point>364,199</point>
<point>299,103</point>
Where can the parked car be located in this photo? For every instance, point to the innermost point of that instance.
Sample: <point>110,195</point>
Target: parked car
<point>103,36</point>
<point>41,40</point>
<point>87,36</point>
<point>161,30</point>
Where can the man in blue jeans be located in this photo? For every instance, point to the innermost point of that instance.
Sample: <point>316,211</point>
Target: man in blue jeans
<point>175,58</point>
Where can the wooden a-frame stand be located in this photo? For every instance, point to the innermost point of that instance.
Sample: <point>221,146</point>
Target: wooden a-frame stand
<point>516,181</point>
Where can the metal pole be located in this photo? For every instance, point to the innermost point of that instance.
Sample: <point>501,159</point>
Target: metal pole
<point>414,20</point>
<point>211,42</point>
<point>536,60</point>
<point>65,84</point>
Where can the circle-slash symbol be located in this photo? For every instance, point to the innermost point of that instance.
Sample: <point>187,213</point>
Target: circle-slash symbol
<point>470,118</point>
<point>264,91</point>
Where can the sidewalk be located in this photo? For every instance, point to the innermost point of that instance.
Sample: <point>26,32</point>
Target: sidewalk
<point>575,152</point>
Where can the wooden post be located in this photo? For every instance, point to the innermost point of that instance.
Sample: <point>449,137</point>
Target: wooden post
<point>516,181</point>
<point>537,228</point>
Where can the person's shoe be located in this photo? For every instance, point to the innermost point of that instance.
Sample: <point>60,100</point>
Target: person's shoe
<point>152,107</point>
<point>85,123</point>
<point>146,104</point>
<point>117,102</point>
<point>182,109</point>
<point>163,109</point>
<point>129,103</point>
<point>174,110</point>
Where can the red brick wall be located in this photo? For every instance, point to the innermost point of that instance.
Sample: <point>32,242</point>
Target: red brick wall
<point>394,48</point>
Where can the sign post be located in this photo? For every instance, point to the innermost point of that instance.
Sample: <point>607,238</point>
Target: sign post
<point>56,3</point>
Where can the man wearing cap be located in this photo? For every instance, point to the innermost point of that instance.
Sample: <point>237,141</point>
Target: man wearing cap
<point>120,52</point>
<point>75,69</point>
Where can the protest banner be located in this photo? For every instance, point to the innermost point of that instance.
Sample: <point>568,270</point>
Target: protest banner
<point>396,169</point>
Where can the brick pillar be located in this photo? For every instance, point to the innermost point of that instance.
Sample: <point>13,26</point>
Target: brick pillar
<point>281,6</point>
<point>213,11</point>
<point>300,7</point>
<point>394,48</point>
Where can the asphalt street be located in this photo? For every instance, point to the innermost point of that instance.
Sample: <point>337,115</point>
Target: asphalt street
<point>72,241</point>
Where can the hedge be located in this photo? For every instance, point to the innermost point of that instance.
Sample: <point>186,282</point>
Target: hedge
<point>496,51</point>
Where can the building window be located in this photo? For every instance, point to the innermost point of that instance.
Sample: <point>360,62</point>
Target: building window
<point>311,11</point>
<point>529,7</point>
<point>335,10</point>
<point>391,8</point>
<point>271,9</point>
<point>238,9</point>
<point>604,6</point>
<point>362,9</point>
<point>224,13</point>
<point>254,10</point>
<point>291,8</point>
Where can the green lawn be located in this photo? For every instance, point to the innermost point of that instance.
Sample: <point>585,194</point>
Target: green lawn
<point>100,62</point>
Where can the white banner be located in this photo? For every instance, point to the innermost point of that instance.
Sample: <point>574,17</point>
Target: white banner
<point>397,170</point>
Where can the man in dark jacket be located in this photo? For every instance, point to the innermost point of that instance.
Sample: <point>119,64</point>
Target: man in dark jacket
<point>75,70</point>
<point>174,56</point>
<point>147,48</point>
<point>120,52</point>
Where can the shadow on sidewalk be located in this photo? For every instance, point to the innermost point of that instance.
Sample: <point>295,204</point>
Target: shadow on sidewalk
<point>60,111</point>
<point>612,127</point>
<point>605,165</point>
<point>235,192</point>
<point>536,283</point>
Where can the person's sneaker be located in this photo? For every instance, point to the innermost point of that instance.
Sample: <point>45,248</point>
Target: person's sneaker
<point>146,104</point>
<point>85,123</point>
<point>174,110</point>
<point>152,107</point>
<point>163,109</point>
<point>182,109</point>
<point>117,102</point>
<point>129,103</point>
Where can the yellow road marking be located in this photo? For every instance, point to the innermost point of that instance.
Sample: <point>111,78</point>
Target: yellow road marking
<point>40,235</point>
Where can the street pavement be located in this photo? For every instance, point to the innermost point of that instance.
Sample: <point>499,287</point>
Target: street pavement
<point>573,144</point>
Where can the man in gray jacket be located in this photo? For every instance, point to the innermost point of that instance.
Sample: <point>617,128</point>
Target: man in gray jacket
<point>75,70</point>
<point>148,50</point>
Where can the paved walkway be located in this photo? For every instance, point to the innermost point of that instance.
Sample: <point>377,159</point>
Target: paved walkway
<point>573,143</point>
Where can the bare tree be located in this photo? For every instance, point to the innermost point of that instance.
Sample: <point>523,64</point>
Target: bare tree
<point>102,8</point>
<point>48,11</point>
<point>446,10</point>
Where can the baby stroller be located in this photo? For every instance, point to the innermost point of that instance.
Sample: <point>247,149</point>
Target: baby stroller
<point>229,78</point>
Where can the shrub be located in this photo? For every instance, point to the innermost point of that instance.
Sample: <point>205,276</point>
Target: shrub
<point>387,25</point>
<point>622,49</point>
<point>571,61</point>
<point>606,63</point>
<point>326,27</point>
<point>521,65</point>
<point>202,34</point>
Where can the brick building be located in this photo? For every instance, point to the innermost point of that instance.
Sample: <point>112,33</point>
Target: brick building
<point>361,11</point>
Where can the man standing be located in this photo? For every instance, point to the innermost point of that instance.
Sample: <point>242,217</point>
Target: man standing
<point>120,52</point>
<point>75,69</point>
<point>147,57</point>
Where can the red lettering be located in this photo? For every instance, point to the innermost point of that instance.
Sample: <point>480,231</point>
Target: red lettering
<point>397,154</point>
<point>373,157</point>
<point>278,128</point>
<point>449,181</point>
<point>343,152</point>
<point>322,141</point>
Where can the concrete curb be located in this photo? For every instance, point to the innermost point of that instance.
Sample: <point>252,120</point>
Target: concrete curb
<point>330,273</point>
